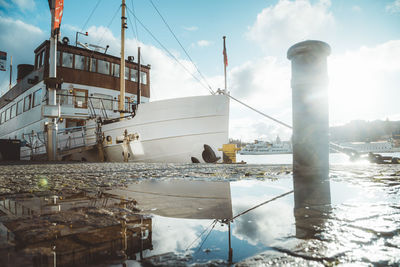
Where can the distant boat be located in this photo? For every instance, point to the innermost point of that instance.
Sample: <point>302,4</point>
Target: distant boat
<point>265,147</point>
<point>374,147</point>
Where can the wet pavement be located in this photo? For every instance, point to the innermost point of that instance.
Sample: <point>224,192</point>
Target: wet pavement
<point>111,214</point>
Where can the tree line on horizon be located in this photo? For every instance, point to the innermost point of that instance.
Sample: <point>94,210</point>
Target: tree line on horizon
<point>356,131</point>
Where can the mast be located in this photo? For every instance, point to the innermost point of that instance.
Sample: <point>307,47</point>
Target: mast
<point>52,102</point>
<point>225,61</point>
<point>121,106</point>
<point>9,87</point>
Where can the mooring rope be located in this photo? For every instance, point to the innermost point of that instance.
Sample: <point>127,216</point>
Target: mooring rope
<point>261,204</point>
<point>202,233</point>
<point>205,239</point>
<point>259,112</point>
<point>338,148</point>
<point>214,222</point>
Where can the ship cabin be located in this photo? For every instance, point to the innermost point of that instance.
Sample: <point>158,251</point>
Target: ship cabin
<point>90,88</point>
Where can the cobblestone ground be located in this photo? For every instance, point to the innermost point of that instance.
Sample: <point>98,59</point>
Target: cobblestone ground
<point>74,177</point>
<point>365,232</point>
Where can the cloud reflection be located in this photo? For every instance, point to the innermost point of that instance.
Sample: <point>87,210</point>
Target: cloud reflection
<point>265,224</point>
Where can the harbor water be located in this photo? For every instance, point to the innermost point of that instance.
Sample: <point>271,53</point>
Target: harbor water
<point>134,214</point>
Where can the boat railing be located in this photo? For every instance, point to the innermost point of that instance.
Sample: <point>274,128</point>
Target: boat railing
<point>74,137</point>
<point>34,144</point>
<point>68,139</point>
<point>97,106</point>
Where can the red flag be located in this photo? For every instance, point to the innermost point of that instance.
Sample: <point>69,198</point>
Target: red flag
<point>58,12</point>
<point>225,55</point>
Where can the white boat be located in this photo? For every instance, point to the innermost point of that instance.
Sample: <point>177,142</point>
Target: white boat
<point>373,147</point>
<point>265,148</point>
<point>88,111</point>
<point>172,130</point>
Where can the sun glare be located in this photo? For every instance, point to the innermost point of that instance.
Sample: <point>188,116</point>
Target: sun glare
<point>352,89</point>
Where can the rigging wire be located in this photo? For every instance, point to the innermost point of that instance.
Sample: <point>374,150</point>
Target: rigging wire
<point>212,223</point>
<point>101,39</point>
<point>90,16</point>
<point>109,24</point>
<point>205,239</point>
<point>261,204</point>
<point>338,148</point>
<point>135,33</point>
<point>180,44</point>
<point>136,28</point>
<point>259,112</point>
<point>169,53</point>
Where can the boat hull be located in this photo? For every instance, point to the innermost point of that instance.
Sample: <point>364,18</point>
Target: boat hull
<point>173,130</point>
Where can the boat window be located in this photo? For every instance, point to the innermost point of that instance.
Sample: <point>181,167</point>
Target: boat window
<point>27,102</point>
<point>143,77</point>
<point>92,64</point>
<point>100,101</point>
<point>3,117</point>
<point>133,75</point>
<point>103,67</point>
<point>20,107</point>
<point>58,58</point>
<point>126,73</point>
<point>37,98</point>
<point>80,98</point>
<point>8,112</point>
<point>41,59</point>
<point>69,123</point>
<point>67,60</point>
<point>13,111</point>
<point>37,59</point>
<point>63,98</point>
<point>79,62</point>
<point>127,103</point>
<point>115,70</point>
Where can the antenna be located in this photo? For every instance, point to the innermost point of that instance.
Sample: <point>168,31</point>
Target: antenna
<point>98,47</point>
<point>76,37</point>
<point>83,45</point>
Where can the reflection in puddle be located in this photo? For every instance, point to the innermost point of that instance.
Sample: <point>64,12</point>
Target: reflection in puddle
<point>181,222</point>
<point>71,230</point>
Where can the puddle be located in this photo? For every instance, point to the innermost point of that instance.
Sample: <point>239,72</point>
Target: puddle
<point>189,222</point>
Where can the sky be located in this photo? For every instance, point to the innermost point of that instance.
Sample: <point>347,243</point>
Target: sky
<point>363,68</point>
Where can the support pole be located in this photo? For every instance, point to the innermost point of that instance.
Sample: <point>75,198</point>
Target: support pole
<point>122,65</point>
<point>52,127</point>
<point>310,129</point>
<point>230,253</point>
<point>225,62</point>
<point>9,87</point>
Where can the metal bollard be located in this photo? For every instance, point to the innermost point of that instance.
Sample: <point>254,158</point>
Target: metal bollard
<point>310,125</point>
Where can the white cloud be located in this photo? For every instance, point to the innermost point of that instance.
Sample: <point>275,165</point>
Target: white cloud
<point>168,78</point>
<point>264,85</point>
<point>265,224</point>
<point>364,83</point>
<point>9,39</point>
<point>280,26</point>
<point>203,43</point>
<point>21,45</point>
<point>70,28</point>
<point>171,234</point>
<point>191,28</point>
<point>25,4</point>
<point>356,8</point>
<point>393,7</point>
